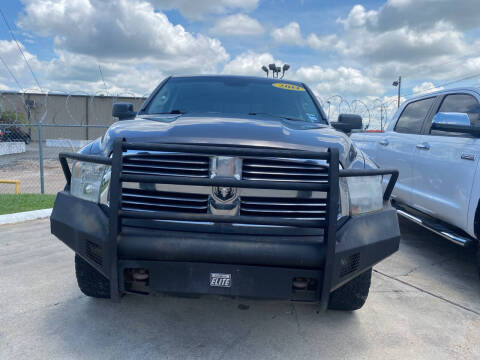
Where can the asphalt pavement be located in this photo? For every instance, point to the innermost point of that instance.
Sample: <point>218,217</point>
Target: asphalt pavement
<point>424,304</point>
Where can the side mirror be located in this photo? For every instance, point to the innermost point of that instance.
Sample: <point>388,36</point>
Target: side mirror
<point>124,111</point>
<point>454,122</point>
<point>348,122</point>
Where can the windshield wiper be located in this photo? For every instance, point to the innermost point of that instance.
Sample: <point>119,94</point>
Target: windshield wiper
<point>277,116</point>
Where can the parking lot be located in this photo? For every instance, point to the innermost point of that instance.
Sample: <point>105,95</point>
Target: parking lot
<point>26,168</point>
<point>424,304</point>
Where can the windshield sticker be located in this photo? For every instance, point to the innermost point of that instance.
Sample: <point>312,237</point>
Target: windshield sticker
<point>312,117</point>
<point>288,86</point>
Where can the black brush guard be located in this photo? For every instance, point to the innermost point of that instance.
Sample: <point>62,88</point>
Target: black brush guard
<point>116,214</point>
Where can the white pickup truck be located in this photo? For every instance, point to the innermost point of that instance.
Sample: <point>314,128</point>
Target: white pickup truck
<point>434,142</point>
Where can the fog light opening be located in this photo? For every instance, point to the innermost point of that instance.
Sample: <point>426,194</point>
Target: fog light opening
<point>300,283</point>
<point>137,280</point>
<point>304,289</point>
<point>140,274</point>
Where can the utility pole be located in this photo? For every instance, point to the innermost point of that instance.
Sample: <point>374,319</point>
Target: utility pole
<point>398,83</point>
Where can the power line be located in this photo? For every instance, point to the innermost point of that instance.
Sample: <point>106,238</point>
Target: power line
<point>10,72</point>
<point>20,49</point>
<point>438,65</point>
<point>447,83</point>
<point>454,60</point>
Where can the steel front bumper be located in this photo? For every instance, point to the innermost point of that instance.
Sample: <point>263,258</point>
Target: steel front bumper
<point>260,266</point>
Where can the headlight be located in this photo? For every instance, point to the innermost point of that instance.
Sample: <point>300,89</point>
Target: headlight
<point>364,193</point>
<point>90,181</point>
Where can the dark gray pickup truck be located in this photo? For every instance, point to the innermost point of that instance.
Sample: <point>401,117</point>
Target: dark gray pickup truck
<point>227,185</point>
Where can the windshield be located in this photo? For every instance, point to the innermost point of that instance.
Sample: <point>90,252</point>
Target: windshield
<point>235,96</point>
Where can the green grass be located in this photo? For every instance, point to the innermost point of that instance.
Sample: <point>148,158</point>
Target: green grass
<point>11,203</point>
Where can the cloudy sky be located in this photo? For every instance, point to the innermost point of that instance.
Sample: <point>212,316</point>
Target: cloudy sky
<point>352,48</point>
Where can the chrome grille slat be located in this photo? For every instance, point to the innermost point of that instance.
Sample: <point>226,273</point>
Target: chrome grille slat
<point>282,179</point>
<point>282,211</point>
<point>150,200</point>
<point>161,197</point>
<point>275,203</point>
<point>284,162</point>
<point>162,173</point>
<point>285,166</point>
<point>176,167</point>
<point>136,208</point>
<point>165,159</point>
<point>284,170</point>
<point>285,173</point>
<point>297,208</point>
<point>162,205</point>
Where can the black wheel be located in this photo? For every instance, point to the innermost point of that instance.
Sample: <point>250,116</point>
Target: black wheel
<point>27,140</point>
<point>353,294</point>
<point>90,281</point>
<point>476,225</point>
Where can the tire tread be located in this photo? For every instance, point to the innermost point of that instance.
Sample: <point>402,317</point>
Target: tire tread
<point>90,281</point>
<point>353,295</point>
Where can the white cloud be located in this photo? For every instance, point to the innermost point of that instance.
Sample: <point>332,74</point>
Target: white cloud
<point>114,29</point>
<point>404,44</point>
<point>415,14</point>
<point>135,44</point>
<point>425,88</point>
<point>412,37</point>
<point>343,80</point>
<point>367,34</point>
<point>196,9</point>
<point>249,63</point>
<point>78,73</point>
<point>17,65</point>
<point>418,39</point>
<point>324,43</point>
<point>238,24</point>
<point>289,34</point>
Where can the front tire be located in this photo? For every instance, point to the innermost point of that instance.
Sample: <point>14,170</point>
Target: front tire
<point>90,281</point>
<point>352,295</point>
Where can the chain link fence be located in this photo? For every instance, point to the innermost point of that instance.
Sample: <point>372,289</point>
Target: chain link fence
<point>35,128</point>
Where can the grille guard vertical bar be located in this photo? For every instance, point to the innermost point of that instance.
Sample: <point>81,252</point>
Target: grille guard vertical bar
<point>330,228</point>
<point>115,219</point>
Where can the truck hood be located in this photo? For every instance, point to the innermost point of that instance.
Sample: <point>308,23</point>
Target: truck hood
<point>248,131</point>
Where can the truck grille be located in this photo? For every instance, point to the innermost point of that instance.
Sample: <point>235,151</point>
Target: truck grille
<point>148,197</point>
<point>295,208</point>
<point>284,170</point>
<point>167,165</point>
<point>150,200</point>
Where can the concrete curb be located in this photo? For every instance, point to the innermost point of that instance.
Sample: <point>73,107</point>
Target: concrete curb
<point>24,216</point>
